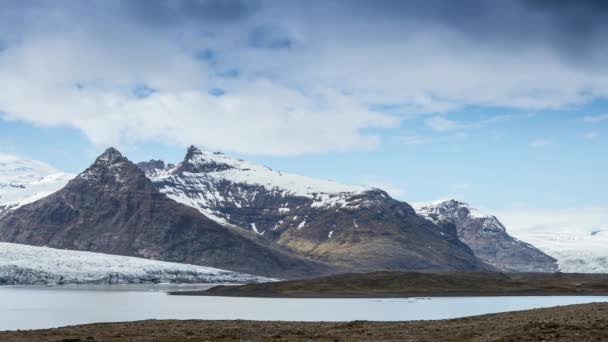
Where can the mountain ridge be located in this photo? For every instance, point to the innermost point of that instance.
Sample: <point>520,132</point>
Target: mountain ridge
<point>352,226</point>
<point>112,207</point>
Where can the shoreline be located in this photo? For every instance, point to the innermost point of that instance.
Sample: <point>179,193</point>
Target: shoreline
<point>583,322</point>
<point>390,296</point>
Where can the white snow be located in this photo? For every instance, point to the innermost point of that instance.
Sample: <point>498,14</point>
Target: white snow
<point>241,171</point>
<point>27,265</point>
<point>456,210</point>
<point>302,224</point>
<point>576,252</point>
<point>255,229</point>
<point>23,181</point>
<point>331,233</point>
<point>200,190</point>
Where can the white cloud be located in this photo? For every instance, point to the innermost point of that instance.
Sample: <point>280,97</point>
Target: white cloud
<point>73,80</point>
<point>591,135</point>
<point>595,118</point>
<point>313,97</point>
<point>410,139</point>
<point>443,124</point>
<point>528,220</point>
<point>542,142</point>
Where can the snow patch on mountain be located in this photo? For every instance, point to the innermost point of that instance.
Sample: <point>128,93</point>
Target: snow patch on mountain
<point>224,168</point>
<point>24,181</point>
<point>210,181</point>
<point>29,265</point>
<point>448,210</point>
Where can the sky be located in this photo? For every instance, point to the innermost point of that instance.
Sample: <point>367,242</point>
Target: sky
<point>502,104</point>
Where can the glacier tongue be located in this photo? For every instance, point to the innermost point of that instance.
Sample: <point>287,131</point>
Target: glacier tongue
<point>29,265</point>
<point>576,252</point>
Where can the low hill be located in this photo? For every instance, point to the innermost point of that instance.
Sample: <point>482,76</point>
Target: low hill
<point>412,284</point>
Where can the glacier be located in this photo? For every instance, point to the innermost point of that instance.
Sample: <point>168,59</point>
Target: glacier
<point>29,265</point>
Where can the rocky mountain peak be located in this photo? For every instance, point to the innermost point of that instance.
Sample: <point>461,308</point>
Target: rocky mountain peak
<point>200,161</point>
<point>453,209</point>
<point>111,156</point>
<point>192,152</point>
<point>111,167</point>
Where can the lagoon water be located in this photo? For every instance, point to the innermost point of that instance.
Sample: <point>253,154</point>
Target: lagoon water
<point>48,307</point>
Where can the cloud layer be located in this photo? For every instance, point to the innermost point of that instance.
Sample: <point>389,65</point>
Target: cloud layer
<point>287,77</point>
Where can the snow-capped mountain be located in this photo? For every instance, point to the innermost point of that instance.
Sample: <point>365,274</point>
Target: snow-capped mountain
<point>214,183</point>
<point>28,265</point>
<point>488,237</point>
<point>112,207</point>
<point>352,226</point>
<point>24,181</point>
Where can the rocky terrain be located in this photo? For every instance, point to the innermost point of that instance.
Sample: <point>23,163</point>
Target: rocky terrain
<point>112,207</point>
<point>411,284</point>
<point>580,323</point>
<point>349,226</point>
<point>488,238</point>
<point>28,265</point>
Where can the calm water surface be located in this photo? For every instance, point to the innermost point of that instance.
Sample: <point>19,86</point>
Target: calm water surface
<point>42,307</point>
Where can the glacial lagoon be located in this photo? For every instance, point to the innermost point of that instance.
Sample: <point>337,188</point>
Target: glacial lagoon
<point>30,307</point>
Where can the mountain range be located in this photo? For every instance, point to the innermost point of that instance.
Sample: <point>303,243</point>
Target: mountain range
<point>217,211</point>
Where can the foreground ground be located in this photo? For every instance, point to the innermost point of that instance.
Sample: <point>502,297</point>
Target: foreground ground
<point>412,284</point>
<point>587,322</point>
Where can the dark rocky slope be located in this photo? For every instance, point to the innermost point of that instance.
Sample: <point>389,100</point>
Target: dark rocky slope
<point>112,207</point>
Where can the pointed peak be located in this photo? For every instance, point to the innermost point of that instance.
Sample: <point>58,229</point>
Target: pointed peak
<point>192,152</point>
<point>110,156</point>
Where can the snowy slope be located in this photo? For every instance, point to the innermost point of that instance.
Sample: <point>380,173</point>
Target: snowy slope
<point>453,209</point>
<point>24,181</point>
<point>28,265</point>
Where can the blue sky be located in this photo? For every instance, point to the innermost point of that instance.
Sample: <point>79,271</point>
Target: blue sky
<point>501,104</point>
